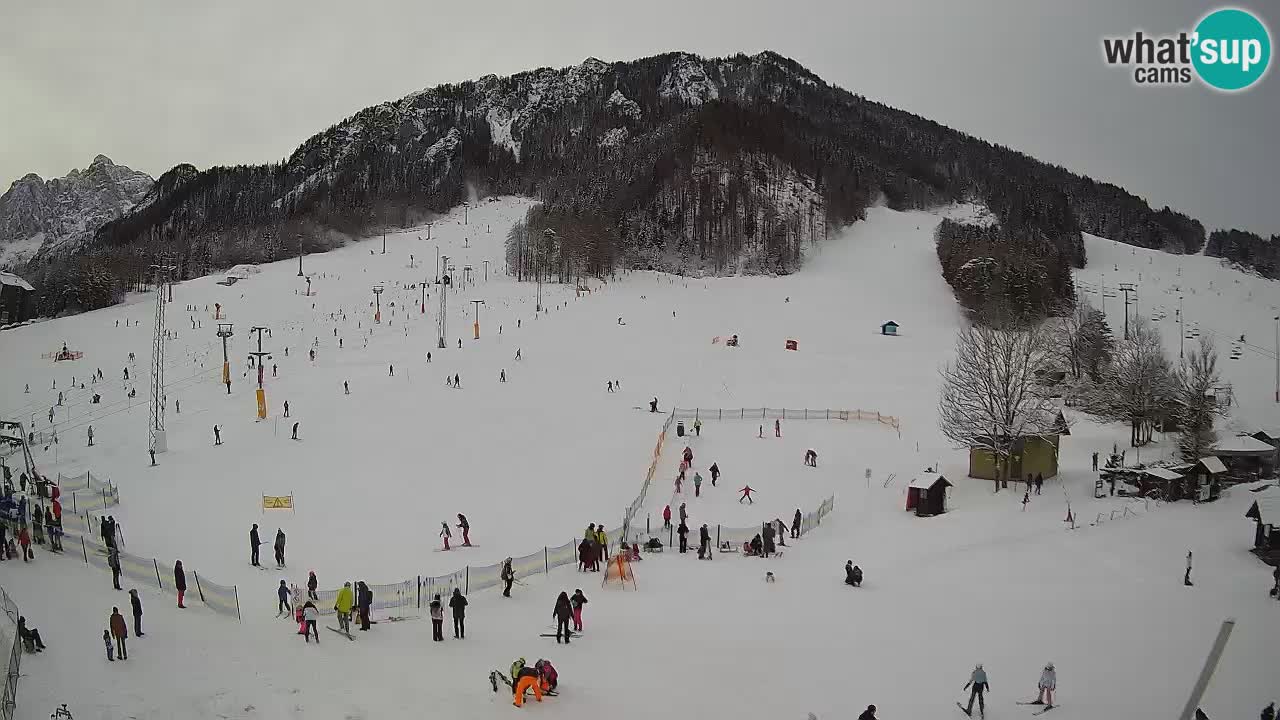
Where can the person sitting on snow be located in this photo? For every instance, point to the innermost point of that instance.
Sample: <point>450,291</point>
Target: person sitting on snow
<point>524,681</point>
<point>757,546</point>
<point>550,678</point>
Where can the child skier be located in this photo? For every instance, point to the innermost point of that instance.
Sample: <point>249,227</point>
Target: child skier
<point>978,683</point>
<point>444,533</point>
<point>576,602</point>
<point>746,495</point>
<point>283,607</point>
<point>111,649</point>
<point>1048,683</point>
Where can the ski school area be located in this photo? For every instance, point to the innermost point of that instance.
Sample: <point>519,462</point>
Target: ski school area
<point>385,408</point>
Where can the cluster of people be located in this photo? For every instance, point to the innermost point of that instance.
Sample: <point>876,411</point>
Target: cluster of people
<point>458,605</point>
<point>541,678</point>
<point>25,522</point>
<point>446,534</point>
<point>978,686</point>
<point>593,551</point>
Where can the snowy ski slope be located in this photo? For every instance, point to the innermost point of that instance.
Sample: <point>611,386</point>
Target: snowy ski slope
<point>533,460</point>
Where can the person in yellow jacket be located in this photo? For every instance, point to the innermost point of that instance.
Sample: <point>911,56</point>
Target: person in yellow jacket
<point>602,537</point>
<point>342,606</point>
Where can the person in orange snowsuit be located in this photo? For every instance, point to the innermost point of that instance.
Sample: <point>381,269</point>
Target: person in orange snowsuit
<point>527,680</point>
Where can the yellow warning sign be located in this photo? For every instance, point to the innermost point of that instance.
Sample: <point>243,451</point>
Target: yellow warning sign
<point>262,404</point>
<point>277,502</point>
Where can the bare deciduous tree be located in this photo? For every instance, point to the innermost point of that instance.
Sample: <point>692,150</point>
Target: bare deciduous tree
<point>1137,387</point>
<point>990,398</point>
<point>1194,403</point>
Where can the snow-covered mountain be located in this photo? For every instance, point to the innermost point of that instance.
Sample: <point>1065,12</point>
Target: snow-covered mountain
<point>45,217</point>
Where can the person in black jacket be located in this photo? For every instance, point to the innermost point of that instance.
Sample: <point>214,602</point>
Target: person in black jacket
<point>576,602</point>
<point>704,542</point>
<point>180,582</point>
<point>852,574</point>
<point>437,620</point>
<point>795,524</point>
<point>458,604</point>
<point>768,539</point>
<point>563,612</point>
<point>113,562</point>
<point>136,602</point>
<point>869,713</point>
<point>508,576</point>
<point>364,601</point>
<point>254,542</point>
<point>312,584</point>
<point>683,532</point>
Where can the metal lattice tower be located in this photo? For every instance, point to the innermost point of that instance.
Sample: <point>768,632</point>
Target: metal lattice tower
<point>444,293</point>
<point>156,439</point>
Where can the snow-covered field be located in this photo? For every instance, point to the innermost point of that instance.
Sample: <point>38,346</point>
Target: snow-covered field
<point>531,461</point>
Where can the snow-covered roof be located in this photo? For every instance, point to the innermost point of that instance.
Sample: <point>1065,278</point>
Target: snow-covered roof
<point>1243,444</point>
<point>1268,502</point>
<point>1162,472</point>
<point>14,280</point>
<point>926,480</point>
<point>1213,464</point>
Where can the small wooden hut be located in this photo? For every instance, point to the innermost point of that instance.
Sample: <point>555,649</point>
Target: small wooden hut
<point>927,494</point>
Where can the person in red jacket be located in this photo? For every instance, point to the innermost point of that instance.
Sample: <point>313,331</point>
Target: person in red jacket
<point>666,517</point>
<point>746,495</point>
<point>24,540</point>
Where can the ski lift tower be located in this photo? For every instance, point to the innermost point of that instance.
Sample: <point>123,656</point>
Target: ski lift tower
<point>444,293</point>
<point>260,355</point>
<point>156,440</point>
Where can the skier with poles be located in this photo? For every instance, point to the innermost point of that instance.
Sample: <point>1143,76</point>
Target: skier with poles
<point>342,606</point>
<point>563,612</point>
<point>466,530</point>
<point>978,683</point>
<point>283,608</point>
<point>508,576</point>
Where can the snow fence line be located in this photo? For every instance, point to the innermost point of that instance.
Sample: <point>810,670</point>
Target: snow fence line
<point>9,637</point>
<point>765,413</point>
<point>146,572</point>
<point>86,493</point>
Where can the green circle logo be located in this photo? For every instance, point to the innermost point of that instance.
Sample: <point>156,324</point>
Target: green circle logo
<point>1232,49</point>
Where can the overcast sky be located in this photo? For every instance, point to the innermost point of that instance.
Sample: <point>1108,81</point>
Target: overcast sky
<point>155,83</point>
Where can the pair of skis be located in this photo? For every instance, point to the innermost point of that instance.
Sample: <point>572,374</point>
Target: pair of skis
<point>1042,711</point>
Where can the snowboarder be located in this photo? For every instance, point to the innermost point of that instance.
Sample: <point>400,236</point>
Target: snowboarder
<point>283,608</point>
<point>1048,683</point>
<point>777,428</point>
<point>466,530</point>
<point>795,524</point>
<point>746,495</point>
<point>977,687</point>
<point>444,533</point>
<point>436,609</point>
<point>312,584</point>
<point>180,582</point>
<point>136,604</point>
<point>576,602</point>
<point>704,542</point>
<point>683,532</point>
<point>508,576</point>
<point>666,517</point>
<point>217,435</point>
<point>458,604</point>
<point>254,542</point>
<point>563,612</point>
<point>811,458</point>
<point>852,574</point>
<point>279,547</point>
<point>715,473</point>
<point>120,631</point>
<point>1186,578</point>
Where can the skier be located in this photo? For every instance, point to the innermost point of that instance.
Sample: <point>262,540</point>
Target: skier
<point>609,386</point>
<point>1186,578</point>
<point>295,431</point>
<point>602,539</point>
<point>217,435</point>
<point>364,601</point>
<point>113,562</point>
<point>1048,683</point>
<point>769,547</point>
<point>286,408</point>
<point>683,532</point>
<point>90,436</point>
<point>508,576</point>
<point>342,606</point>
<point>346,388</point>
<point>869,713</point>
<point>120,631</point>
<point>180,582</point>
<point>1026,498</point>
<point>978,683</point>
<point>436,609</point>
<point>666,517</point>
<point>458,604</point>
<point>653,405</point>
<point>312,584</point>
<point>684,513</point>
<point>697,427</point>
<point>279,547</point>
<point>1095,461</point>
<point>795,524</point>
<point>781,532</point>
<point>391,371</point>
<point>697,484</point>
<point>852,574</point>
<point>254,542</point>
<point>704,542</point>
<point>466,530</point>
<point>428,357</point>
<point>444,533</point>
<point>502,376</point>
<point>715,473</point>
<point>457,382</point>
<point>283,608</point>
<point>524,681</point>
<point>106,634</point>
<point>563,612</point>
<point>777,428</point>
<point>746,495</point>
<point>811,457</point>
<point>576,602</point>
<point>517,349</point>
<point>310,616</point>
